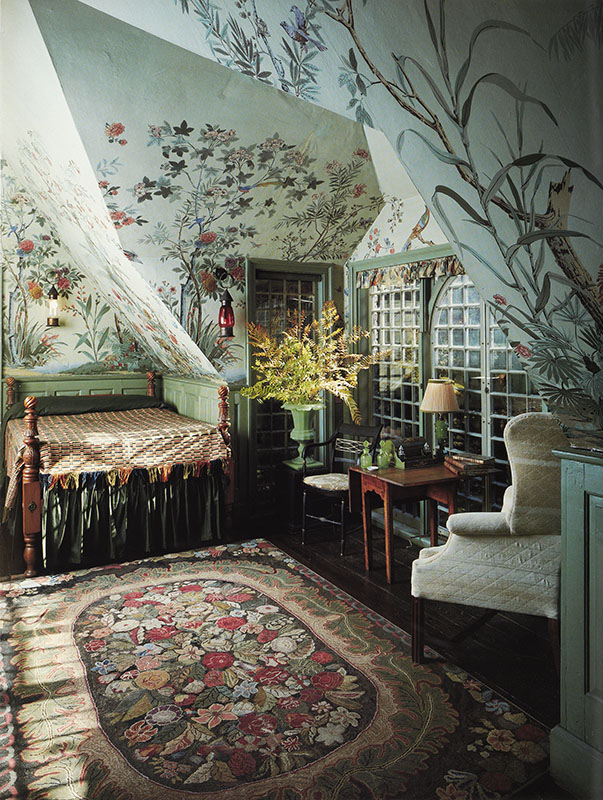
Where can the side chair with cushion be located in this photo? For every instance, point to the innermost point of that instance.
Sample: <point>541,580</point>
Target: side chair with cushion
<point>331,488</point>
<point>507,560</point>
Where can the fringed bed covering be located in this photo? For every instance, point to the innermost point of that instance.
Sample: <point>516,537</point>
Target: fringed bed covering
<point>405,273</point>
<point>113,443</point>
<point>122,477</point>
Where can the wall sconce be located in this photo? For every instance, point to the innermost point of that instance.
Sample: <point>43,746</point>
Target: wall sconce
<point>53,308</point>
<point>226,317</point>
<point>440,399</point>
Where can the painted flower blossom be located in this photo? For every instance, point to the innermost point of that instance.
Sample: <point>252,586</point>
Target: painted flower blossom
<point>498,298</point>
<point>242,763</point>
<point>528,752</point>
<point>359,189</point>
<point>330,734</point>
<point>245,689</point>
<point>207,237</point>
<point>63,284</point>
<point>523,351</point>
<point>362,153</point>
<point>164,715</point>
<point>140,731</point>
<point>327,680</point>
<point>26,245</point>
<point>35,290</point>
<point>218,660</point>
<point>152,679</point>
<point>214,715</point>
<point>230,623</point>
<point>267,636</point>
<point>113,130</point>
<point>321,657</point>
<point>94,644</point>
<point>500,739</point>
<point>258,724</point>
<point>271,676</point>
<point>214,677</point>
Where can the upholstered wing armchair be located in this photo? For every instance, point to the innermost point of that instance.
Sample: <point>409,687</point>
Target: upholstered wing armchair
<point>507,560</point>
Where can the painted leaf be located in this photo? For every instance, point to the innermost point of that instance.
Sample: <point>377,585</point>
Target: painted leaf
<point>464,204</point>
<point>442,155</point>
<point>545,293</point>
<point>484,26</point>
<point>549,233</point>
<point>507,86</point>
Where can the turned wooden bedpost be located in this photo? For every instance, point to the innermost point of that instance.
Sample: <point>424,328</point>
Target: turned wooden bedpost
<point>151,384</point>
<point>10,391</point>
<point>223,426</point>
<point>31,487</point>
<point>224,414</point>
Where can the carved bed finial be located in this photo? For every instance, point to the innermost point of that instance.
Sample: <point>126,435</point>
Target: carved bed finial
<point>151,384</point>
<point>10,391</point>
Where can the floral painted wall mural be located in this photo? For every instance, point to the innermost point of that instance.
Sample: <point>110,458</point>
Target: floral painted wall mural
<point>490,113</point>
<point>34,260</point>
<point>492,122</point>
<point>400,227</point>
<point>194,186</point>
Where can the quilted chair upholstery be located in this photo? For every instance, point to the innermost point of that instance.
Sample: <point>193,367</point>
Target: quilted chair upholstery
<point>507,560</point>
<point>343,449</point>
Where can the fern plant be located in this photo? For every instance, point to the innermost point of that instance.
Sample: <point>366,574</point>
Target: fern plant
<point>307,359</point>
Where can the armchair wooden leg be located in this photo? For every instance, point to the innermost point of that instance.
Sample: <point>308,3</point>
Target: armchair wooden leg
<point>554,636</point>
<point>303,525</point>
<point>417,632</point>
<point>342,524</point>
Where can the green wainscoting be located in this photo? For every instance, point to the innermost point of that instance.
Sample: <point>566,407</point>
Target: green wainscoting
<point>577,742</point>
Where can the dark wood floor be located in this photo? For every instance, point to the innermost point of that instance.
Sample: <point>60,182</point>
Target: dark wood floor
<point>511,653</point>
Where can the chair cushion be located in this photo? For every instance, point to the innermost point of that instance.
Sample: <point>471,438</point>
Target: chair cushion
<point>331,482</point>
<point>506,573</point>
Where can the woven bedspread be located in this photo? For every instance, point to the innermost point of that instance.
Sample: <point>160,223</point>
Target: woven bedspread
<point>117,442</point>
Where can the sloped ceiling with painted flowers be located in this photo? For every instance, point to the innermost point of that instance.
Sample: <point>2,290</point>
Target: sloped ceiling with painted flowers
<point>494,110</point>
<point>201,167</point>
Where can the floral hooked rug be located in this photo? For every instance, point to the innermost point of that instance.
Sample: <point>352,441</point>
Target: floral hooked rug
<point>235,672</point>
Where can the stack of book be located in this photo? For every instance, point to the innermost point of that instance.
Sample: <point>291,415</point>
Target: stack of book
<point>468,463</point>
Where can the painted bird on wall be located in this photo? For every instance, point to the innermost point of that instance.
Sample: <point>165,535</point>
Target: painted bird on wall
<point>298,31</point>
<point>247,188</point>
<point>417,231</point>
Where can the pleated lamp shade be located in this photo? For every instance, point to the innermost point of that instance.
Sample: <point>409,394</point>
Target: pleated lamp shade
<point>439,397</point>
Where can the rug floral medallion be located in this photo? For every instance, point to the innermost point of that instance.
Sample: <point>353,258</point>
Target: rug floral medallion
<point>235,672</point>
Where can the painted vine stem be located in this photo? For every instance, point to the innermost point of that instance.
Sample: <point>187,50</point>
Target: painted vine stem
<point>560,245</point>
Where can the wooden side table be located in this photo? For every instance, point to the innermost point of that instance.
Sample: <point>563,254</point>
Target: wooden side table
<point>436,484</point>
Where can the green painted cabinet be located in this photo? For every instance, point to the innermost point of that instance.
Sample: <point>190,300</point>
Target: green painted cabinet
<point>577,742</point>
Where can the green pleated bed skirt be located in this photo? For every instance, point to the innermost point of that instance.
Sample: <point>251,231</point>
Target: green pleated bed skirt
<point>98,523</point>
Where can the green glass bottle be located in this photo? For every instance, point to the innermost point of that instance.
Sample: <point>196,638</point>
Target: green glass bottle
<point>383,456</point>
<point>366,459</point>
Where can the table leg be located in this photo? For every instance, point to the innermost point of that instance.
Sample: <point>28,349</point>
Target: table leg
<point>389,545</point>
<point>487,504</point>
<point>366,523</point>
